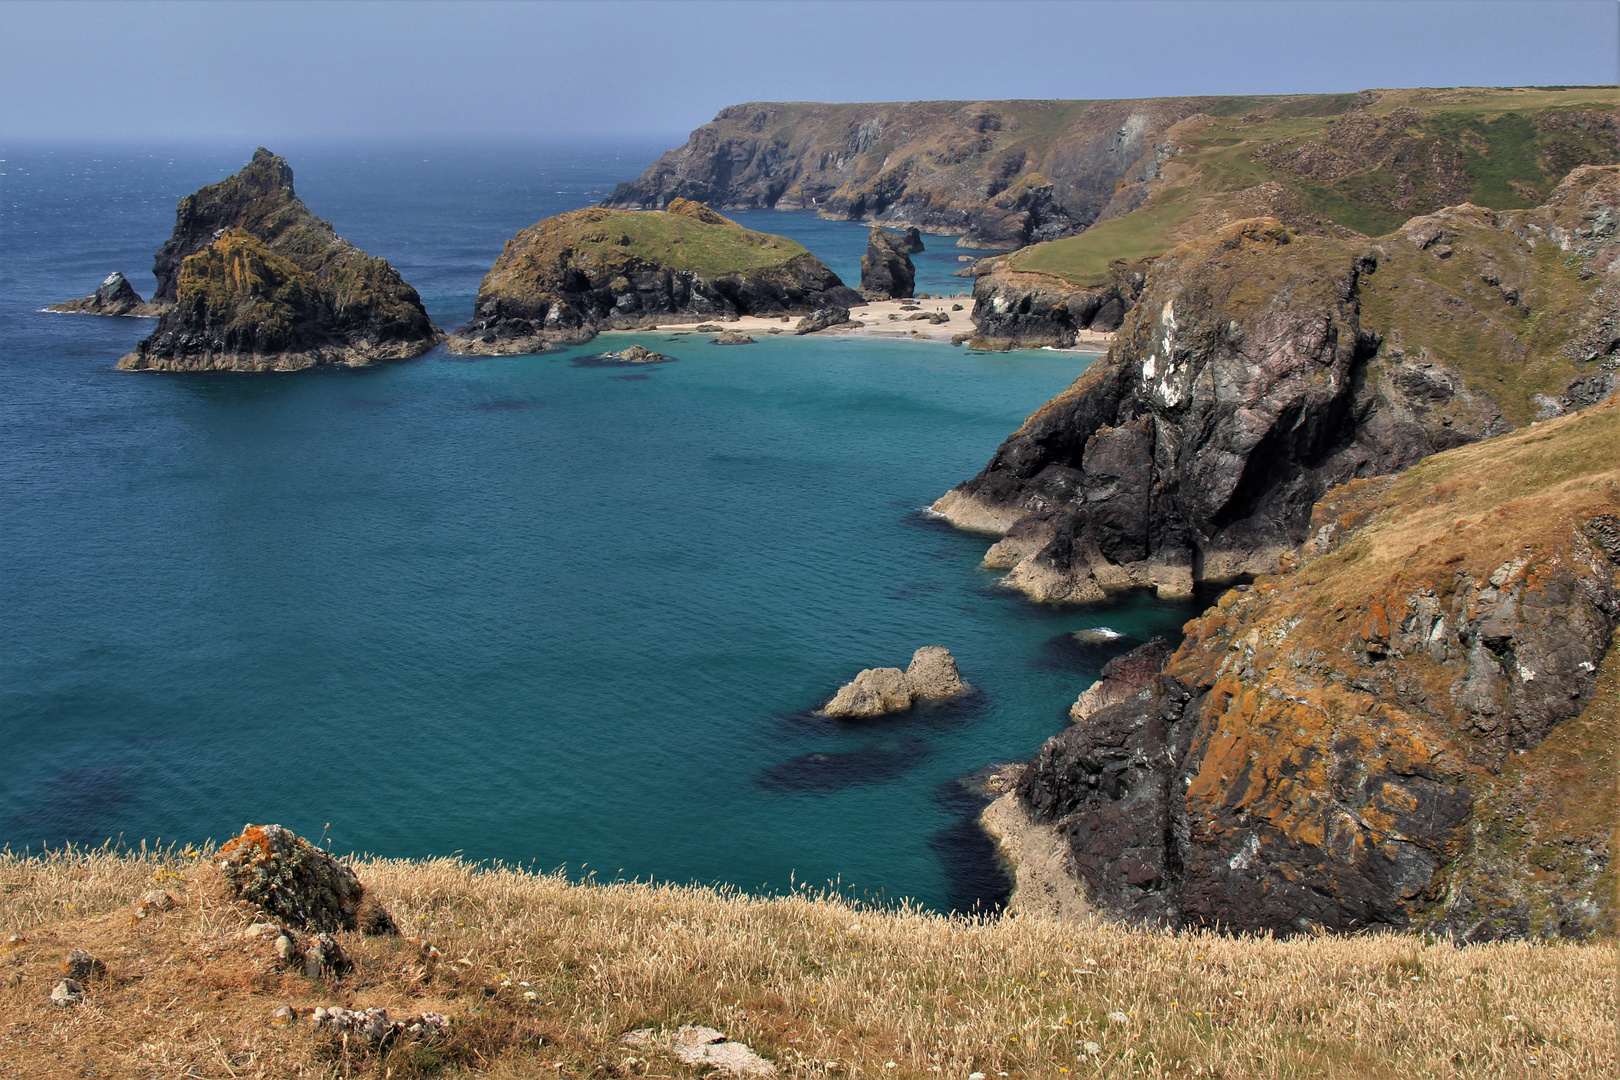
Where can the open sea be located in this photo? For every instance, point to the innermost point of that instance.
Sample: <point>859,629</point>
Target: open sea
<point>518,609</point>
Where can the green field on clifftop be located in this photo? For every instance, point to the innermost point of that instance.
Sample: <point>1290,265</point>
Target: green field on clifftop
<point>1369,170</point>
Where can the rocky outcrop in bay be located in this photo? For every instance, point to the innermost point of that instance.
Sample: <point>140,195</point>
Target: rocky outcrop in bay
<point>1032,311</point>
<point>1257,369</point>
<point>886,269</point>
<point>931,674</point>
<point>569,277</point>
<point>253,281</point>
<point>1411,729</point>
<point>115,296</point>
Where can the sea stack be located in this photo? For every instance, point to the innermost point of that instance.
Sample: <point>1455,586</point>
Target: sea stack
<point>253,281</point>
<point>116,296</point>
<point>886,269</point>
<point>569,277</point>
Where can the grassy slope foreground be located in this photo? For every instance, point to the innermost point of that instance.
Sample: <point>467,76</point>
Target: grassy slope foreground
<point>541,978</point>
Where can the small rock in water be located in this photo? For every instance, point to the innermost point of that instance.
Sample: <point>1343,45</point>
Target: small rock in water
<point>80,966</point>
<point>880,691</point>
<point>822,319</point>
<point>67,992</point>
<point>733,337</point>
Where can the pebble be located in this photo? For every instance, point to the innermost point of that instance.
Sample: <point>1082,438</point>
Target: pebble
<point>282,1015</point>
<point>67,992</point>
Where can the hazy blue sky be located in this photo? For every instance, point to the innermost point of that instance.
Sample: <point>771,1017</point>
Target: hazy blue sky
<point>390,70</point>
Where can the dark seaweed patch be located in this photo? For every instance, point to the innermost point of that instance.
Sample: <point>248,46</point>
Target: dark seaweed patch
<point>874,763</point>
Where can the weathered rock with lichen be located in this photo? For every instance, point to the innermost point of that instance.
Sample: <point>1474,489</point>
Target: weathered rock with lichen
<point>291,880</point>
<point>1413,727</point>
<point>252,281</point>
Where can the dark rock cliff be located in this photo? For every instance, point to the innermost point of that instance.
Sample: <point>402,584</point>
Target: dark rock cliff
<point>254,281</point>
<point>1413,728</point>
<point>1258,369</point>
<point>571,276</point>
<point>1003,173</point>
<point>886,269</point>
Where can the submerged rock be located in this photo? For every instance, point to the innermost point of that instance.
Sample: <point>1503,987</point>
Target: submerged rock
<point>879,691</point>
<point>116,296</point>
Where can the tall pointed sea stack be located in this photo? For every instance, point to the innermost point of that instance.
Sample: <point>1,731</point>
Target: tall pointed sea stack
<point>258,283</point>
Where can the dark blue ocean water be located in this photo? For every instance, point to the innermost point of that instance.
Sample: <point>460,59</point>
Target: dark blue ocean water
<point>517,608</point>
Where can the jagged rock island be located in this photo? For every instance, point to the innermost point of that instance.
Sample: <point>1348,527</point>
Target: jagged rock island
<point>252,281</point>
<point>115,296</point>
<point>569,277</point>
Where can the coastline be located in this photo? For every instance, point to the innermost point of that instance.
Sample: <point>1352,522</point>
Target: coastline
<point>875,319</point>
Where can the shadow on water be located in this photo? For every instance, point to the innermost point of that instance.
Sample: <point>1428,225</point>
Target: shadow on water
<point>875,763</point>
<point>507,406</point>
<point>78,806</point>
<point>913,589</point>
<point>976,883</point>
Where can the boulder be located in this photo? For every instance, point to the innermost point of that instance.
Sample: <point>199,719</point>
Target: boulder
<point>881,691</point>
<point>932,673</point>
<point>66,993</point>
<point>290,879</point>
<point>821,319</point>
<point>733,337</point>
<point>874,692</point>
<point>886,269</point>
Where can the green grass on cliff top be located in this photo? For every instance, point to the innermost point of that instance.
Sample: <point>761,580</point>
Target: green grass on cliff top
<point>1509,163</point>
<point>607,237</point>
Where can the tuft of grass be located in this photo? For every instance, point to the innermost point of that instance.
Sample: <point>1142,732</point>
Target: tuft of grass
<point>822,986</point>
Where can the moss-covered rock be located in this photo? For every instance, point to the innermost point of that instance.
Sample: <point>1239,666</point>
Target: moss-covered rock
<point>568,277</point>
<point>257,282</point>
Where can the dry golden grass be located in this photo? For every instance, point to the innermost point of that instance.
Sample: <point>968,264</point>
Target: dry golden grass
<point>821,987</point>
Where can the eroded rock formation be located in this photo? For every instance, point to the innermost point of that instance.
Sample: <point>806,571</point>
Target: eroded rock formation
<point>878,691</point>
<point>253,281</point>
<point>886,269</point>
<point>1259,368</point>
<point>115,296</point>
<point>1414,729</point>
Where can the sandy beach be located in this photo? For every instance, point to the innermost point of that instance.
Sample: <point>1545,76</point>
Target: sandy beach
<point>890,318</point>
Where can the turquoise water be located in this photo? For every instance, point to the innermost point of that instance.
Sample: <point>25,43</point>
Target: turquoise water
<point>517,608</point>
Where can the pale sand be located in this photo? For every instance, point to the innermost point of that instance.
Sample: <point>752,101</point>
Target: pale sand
<point>875,322</point>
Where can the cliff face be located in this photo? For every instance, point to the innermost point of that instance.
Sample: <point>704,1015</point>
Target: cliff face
<point>1005,174</point>
<point>1414,728</point>
<point>257,282</point>
<point>566,278</point>
<point>1258,369</point>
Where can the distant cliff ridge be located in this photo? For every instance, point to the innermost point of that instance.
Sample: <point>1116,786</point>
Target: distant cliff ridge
<point>253,281</point>
<point>1005,174</point>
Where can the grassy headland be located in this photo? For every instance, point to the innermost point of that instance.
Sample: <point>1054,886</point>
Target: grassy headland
<point>541,977</point>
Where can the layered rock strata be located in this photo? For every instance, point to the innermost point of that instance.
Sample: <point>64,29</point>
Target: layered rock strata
<point>886,269</point>
<point>931,674</point>
<point>1258,369</point>
<point>115,296</point>
<point>567,278</point>
<point>253,281</point>
<point>1413,729</point>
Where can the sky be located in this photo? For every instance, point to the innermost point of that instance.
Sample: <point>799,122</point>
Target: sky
<point>569,71</point>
